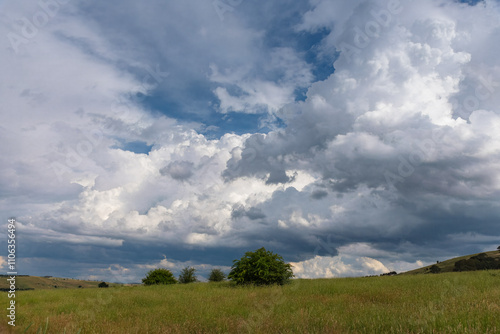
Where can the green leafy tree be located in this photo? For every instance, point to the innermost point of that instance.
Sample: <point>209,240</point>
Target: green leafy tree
<point>159,276</point>
<point>103,285</point>
<point>216,275</point>
<point>188,275</point>
<point>261,267</point>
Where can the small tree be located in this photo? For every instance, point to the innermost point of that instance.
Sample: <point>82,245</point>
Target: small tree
<point>498,248</point>
<point>102,285</point>
<point>159,276</point>
<point>216,275</point>
<point>261,267</point>
<point>188,275</point>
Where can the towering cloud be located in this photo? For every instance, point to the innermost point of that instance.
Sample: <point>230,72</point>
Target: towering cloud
<point>388,158</point>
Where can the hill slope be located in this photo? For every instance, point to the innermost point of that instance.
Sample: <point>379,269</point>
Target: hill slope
<point>449,265</point>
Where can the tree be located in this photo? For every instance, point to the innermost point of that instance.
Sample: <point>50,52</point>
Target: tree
<point>159,276</point>
<point>102,285</point>
<point>188,275</point>
<point>498,248</point>
<point>260,267</point>
<point>216,275</point>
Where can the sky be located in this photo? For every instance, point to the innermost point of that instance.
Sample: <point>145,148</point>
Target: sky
<point>351,137</point>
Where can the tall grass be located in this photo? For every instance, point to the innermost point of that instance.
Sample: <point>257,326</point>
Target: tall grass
<point>443,303</point>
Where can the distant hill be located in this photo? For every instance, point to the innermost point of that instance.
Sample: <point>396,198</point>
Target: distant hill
<point>47,282</point>
<point>449,265</point>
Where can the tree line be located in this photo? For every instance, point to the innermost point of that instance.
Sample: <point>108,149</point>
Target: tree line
<point>478,262</point>
<point>260,267</point>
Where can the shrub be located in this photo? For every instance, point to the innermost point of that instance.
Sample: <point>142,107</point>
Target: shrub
<point>434,269</point>
<point>216,275</point>
<point>260,267</point>
<point>103,285</point>
<point>188,275</point>
<point>159,276</point>
<point>477,262</point>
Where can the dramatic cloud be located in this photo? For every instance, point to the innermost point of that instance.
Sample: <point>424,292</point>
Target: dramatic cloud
<point>353,138</point>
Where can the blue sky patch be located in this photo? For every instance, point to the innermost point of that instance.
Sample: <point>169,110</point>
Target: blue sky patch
<point>138,147</point>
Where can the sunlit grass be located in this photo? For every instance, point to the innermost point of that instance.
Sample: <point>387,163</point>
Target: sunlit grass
<point>443,303</point>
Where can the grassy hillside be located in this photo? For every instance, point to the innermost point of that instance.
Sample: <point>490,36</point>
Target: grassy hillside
<point>466,302</point>
<point>448,265</point>
<point>35,282</point>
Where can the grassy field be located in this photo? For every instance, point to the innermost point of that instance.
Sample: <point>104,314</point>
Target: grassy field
<point>466,302</point>
<point>36,282</point>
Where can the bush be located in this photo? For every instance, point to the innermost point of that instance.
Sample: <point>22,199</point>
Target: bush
<point>434,269</point>
<point>260,267</point>
<point>159,276</point>
<point>103,285</point>
<point>216,275</point>
<point>477,262</point>
<point>188,275</point>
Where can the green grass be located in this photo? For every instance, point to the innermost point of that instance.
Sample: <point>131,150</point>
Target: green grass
<point>36,282</point>
<point>444,303</point>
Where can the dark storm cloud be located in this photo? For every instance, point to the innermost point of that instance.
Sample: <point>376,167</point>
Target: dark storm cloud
<point>385,162</point>
<point>252,213</point>
<point>319,194</point>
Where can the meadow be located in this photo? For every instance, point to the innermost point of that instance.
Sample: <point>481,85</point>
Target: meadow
<point>466,302</point>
